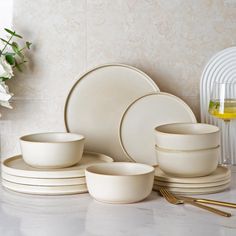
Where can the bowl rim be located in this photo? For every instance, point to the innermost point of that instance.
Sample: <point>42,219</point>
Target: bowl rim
<point>87,170</point>
<point>157,148</point>
<point>80,137</point>
<point>187,124</point>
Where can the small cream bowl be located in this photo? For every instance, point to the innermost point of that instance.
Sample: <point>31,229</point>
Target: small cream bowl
<point>193,163</point>
<point>52,150</point>
<point>119,182</point>
<point>187,136</point>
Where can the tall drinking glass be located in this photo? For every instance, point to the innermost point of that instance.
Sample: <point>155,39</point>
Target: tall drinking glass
<point>223,106</point>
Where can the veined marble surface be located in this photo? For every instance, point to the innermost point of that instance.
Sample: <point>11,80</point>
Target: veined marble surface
<point>29,215</point>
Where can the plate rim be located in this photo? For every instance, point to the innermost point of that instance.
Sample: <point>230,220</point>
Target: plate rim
<point>221,182</point>
<point>53,182</point>
<point>51,173</point>
<point>195,191</point>
<point>227,175</point>
<point>80,77</point>
<point>43,190</point>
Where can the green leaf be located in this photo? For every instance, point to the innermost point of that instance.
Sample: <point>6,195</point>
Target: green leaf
<point>10,59</point>
<point>17,65</point>
<point>16,49</point>
<point>3,79</point>
<point>9,31</point>
<point>12,33</point>
<point>5,41</point>
<point>28,44</point>
<point>9,53</point>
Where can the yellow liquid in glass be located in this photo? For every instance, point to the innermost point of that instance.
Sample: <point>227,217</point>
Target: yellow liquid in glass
<point>225,110</point>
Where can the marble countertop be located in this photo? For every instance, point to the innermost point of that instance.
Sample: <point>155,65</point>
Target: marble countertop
<point>71,215</point>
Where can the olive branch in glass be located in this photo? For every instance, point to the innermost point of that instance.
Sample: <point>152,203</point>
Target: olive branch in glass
<point>15,57</point>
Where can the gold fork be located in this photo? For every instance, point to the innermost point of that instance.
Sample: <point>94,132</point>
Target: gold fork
<point>209,201</point>
<point>171,198</point>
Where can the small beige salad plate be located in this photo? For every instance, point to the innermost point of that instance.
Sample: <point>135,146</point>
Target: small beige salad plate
<point>44,190</point>
<point>221,173</point>
<point>97,101</point>
<point>16,166</point>
<point>42,181</point>
<point>119,182</point>
<point>142,116</point>
<point>52,150</point>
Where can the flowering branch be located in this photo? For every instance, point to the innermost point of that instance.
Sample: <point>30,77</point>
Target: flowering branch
<point>10,59</point>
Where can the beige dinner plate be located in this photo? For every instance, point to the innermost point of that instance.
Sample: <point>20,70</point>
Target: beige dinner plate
<point>43,181</point>
<point>195,191</point>
<point>194,185</point>
<point>220,174</point>
<point>142,116</point>
<point>17,167</point>
<point>97,101</point>
<point>45,190</point>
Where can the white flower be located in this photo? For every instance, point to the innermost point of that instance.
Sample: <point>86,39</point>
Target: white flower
<point>5,95</point>
<point>5,68</point>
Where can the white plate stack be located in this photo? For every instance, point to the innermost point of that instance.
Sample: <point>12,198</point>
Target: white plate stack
<point>20,177</point>
<point>218,181</point>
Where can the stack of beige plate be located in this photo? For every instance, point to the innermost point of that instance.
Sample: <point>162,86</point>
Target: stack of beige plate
<point>20,177</point>
<point>218,181</point>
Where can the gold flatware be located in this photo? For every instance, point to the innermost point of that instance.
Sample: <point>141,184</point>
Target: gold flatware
<point>171,198</point>
<point>210,201</point>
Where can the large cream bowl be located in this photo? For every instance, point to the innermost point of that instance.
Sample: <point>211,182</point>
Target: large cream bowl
<point>52,150</point>
<point>193,163</point>
<point>187,136</point>
<point>119,182</point>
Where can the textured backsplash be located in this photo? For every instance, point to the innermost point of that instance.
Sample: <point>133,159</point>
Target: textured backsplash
<point>169,40</point>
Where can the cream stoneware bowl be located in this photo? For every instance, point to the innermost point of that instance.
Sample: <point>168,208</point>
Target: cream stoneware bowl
<point>187,136</point>
<point>52,150</point>
<point>188,163</point>
<point>119,182</point>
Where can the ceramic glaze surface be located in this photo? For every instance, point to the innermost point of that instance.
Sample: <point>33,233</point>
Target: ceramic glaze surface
<point>97,101</point>
<point>52,150</point>
<point>196,185</point>
<point>221,173</point>
<point>188,163</point>
<point>16,166</point>
<point>45,190</point>
<point>187,136</point>
<point>120,182</point>
<point>43,181</point>
<point>204,190</point>
<point>142,116</point>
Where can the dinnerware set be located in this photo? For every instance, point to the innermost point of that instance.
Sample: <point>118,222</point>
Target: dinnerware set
<point>119,111</point>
